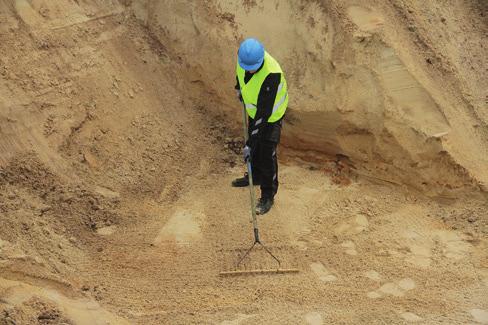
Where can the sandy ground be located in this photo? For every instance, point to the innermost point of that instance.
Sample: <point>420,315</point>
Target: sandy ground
<point>367,254</point>
<point>116,205</point>
<point>384,257</point>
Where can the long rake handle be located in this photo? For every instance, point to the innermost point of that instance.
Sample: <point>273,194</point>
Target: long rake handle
<point>249,176</point>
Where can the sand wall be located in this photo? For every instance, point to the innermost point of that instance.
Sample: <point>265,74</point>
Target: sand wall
<point>361,83</point>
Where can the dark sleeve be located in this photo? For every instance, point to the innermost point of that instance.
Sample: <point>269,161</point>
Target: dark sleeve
<point>238,89</point>
<point>266,99</point>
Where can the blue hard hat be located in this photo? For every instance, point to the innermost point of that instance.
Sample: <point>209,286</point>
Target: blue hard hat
<point>250,54</point>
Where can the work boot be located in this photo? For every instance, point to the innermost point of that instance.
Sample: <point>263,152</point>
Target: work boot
<point>264,205</point>
<point>244,181</point>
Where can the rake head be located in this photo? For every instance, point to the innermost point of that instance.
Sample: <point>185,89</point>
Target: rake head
<point>245,265</point>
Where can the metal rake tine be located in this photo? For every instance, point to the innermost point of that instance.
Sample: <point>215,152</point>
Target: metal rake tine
<point>269,252</point>
<point>247,253</point>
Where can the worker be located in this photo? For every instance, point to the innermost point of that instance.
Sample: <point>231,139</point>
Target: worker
<point>261,86</point>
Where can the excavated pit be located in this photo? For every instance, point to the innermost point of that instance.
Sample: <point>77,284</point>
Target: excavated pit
<point>120,134</point>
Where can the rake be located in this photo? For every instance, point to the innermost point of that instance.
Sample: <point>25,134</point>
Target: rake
<point>257,240</point>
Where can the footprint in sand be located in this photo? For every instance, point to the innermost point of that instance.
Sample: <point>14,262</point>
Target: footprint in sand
<point>396,289</point>
<point>314,318</point>
<point>483,274</point>
<point>301,245</point>
<point>350,248</point>
<point>479,315</point>
<point>420,246</point>
<point>106,231</point>
<point>453,245</point>
<point>411,317</point>
<point>323,274</point>
<point>238,320</point>
<point>183,228</point>
<point>353,226</point>
<point>372,275</point>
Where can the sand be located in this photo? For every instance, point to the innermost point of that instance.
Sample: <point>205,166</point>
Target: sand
<point>120,135</point>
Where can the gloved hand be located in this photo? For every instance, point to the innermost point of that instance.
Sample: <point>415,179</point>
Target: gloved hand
<point>246,153</point>
<point>238,94</point>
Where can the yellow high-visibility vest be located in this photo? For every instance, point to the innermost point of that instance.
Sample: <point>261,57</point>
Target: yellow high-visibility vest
<point>250,91</point>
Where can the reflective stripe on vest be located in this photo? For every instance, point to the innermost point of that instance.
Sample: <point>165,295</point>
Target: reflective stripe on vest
<point>250,91</point>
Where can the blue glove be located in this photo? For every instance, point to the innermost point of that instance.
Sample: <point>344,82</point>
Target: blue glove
<point>246,153</point>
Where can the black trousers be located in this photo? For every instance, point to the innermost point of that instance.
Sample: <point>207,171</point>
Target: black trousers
<point>264,164</point>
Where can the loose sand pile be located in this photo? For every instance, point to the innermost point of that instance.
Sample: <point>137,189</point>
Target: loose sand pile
<point>119,136</point>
